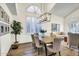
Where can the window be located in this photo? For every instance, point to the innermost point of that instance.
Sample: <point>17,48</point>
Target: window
<point>34,9</point>
<point>55,27</point>
<point>32,25</point>
<point>74,27</point>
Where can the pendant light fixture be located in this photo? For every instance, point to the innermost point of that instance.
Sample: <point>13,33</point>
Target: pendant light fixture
<point>46,16</point>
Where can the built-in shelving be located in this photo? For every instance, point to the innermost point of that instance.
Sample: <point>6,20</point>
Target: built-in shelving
<point>4,22</point>
<point>3,15</point>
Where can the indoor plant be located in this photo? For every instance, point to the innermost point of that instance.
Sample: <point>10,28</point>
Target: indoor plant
<point>43,31</point>
<point>16,29</point>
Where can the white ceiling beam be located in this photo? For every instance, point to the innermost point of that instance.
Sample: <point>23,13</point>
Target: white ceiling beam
<point>50,6</point>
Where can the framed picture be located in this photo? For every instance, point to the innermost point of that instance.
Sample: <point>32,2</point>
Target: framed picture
<point>3,15</point>
<point>6,29</point>
<point>2,29</point>
<point>4,22</point>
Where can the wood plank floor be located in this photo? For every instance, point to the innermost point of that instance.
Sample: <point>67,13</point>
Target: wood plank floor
<point>28,50</point>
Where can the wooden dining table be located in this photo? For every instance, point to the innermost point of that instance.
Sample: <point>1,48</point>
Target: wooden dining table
<point>47,40</point>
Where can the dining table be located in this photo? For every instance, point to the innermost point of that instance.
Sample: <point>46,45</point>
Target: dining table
<point>47,40</point>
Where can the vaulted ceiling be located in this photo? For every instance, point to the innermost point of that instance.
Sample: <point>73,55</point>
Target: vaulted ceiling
<point>65,9</point>
<point>12,8</point>
<point>59,9</point>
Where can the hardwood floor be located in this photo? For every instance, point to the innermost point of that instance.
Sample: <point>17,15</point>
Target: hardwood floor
<point>28,50</point>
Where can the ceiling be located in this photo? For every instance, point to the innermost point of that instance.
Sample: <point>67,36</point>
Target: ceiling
<point>60,9</point>
<point>64,9</point>
<point>12,8</point>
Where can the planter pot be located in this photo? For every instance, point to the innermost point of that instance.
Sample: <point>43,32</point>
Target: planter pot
<point>16,42</point>
<point>15,46</point>
<point>43,35</point>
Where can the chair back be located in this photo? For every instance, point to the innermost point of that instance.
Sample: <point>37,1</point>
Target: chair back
<point>37,42</point>
<point>53,36</point>
<point>77,38</point>
<point>57,45</point>
<point>73,39</point>
<point>32,35</point>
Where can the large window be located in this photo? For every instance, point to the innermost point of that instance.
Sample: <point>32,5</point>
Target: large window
<point>34,9</point>
<point>74,27</point>
<point>32,23</point>
<point>55,27</point>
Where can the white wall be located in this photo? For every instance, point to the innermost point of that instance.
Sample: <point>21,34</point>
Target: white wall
<point>58,20</point>
<point>6,43</point>
<point>6,40</point>
<point>0,47</point>
<point>22,14</point>
<point>54,19</point>
<point>71,17</point>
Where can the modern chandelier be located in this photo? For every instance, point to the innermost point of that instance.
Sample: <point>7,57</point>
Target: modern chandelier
<point>45,17</point>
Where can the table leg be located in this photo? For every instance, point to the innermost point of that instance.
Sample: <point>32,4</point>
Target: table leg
<point>52,44</point>
<point>78,50</point>
<point>45,49</point>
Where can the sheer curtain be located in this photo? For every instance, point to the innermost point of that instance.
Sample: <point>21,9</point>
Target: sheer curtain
<point>32,25</point>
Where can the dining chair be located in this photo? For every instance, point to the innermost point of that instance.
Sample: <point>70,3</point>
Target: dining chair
<point>53,36</point>
<point>56,47</point>
<point>33,41</point>
<point>77,37</point>
<point>38,45</point>
<point>74,41</point>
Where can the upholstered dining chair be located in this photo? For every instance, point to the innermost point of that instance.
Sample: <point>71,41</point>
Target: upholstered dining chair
<point>77,37</point>
<point>53,36</point>
<point>33,41</point>
<point>37,43</point>
<point>56,47</point>
<point>74,41</point>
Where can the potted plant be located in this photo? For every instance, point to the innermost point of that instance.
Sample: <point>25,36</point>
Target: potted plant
<point>43,31</point>
<point>16,29</point>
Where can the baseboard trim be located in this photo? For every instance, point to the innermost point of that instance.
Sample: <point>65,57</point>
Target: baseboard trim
<point>24,43</point>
